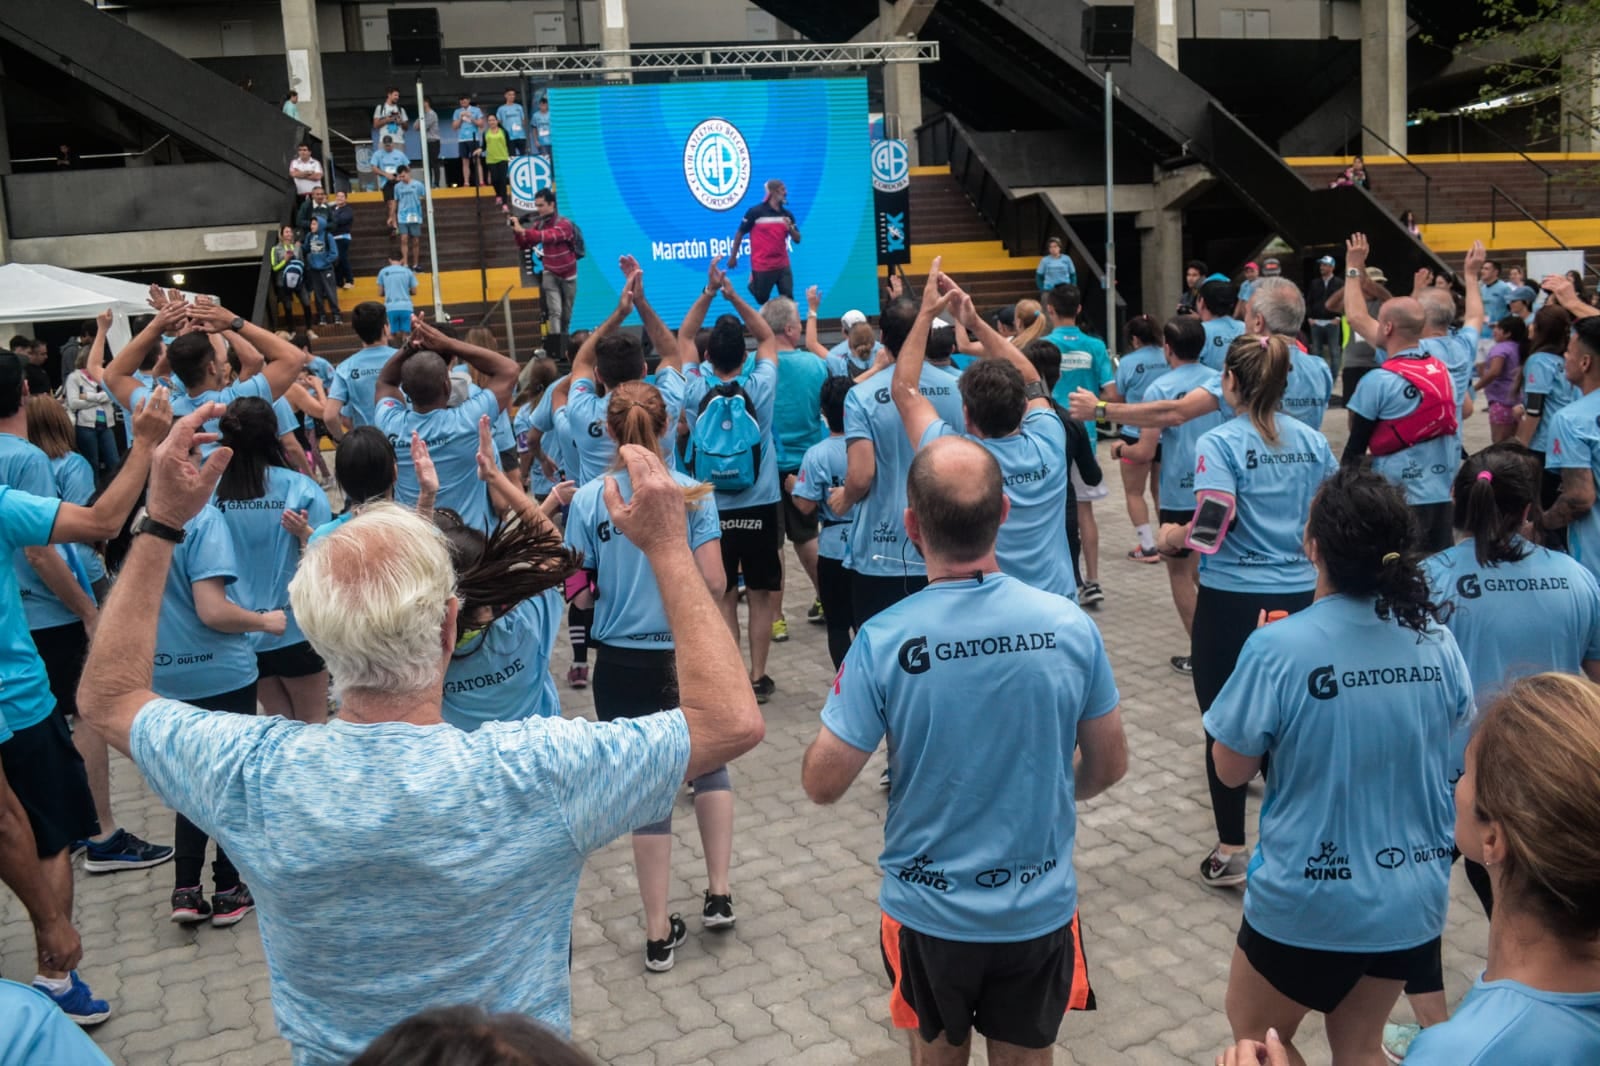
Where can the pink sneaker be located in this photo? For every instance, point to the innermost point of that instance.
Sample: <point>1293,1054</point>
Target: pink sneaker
<point>578,676</point>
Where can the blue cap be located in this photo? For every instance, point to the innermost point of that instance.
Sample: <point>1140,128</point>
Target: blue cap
<point>1523,293</point>
<point>1217,277</point>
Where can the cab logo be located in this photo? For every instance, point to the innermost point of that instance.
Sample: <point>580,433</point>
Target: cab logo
<point>716,164</point>
<point>914,656</point>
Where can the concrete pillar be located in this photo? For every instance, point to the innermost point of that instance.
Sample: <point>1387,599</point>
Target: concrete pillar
<point>1155,25</point>
<point>1160,260</point>
<point>902,82</point>
<point>303,51</point>
<point>1580,105</point>
<point>614,36</point>
<point>1383,75</point>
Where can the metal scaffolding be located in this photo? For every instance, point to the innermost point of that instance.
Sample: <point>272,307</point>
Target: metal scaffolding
<point>716,59</point>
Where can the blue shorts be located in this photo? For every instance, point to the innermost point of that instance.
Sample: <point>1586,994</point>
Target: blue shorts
<point>409,229</point>
<point>400,321</point>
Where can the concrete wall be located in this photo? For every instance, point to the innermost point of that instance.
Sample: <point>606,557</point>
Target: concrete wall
<point>1284,19</point>
<point>229,29</point>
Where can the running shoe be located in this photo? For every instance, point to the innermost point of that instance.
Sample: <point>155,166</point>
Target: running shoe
<point>123,851</point>
<point>189,905</point>
<point>77,1002</point>
<point>578,675</point>
<point>718,912</point>
<point>659,954</point>
<point>1183,664</point>
<point>1145,555</point>
<point>780,630</point>
<point>883,779</point>
<point>739,580</point>
<point>1397,1040</point>
<point>815,615</point>
<point>1090,594</point>
<point>230,907</point>
<point>764,687</point>
<point>1220,871</point>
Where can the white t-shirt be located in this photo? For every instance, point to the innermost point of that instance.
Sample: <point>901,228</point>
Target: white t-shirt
<point>307,175</point>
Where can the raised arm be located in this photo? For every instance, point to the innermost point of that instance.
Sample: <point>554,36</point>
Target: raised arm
<point>813,304</point>
<point>1472,313</point>
<point>388,384</point>
<point>118,377</point>
<point>991,345</point>
<point>662,339</point>
<point>506,493</point>
<point>718,703</point>
<point>499,373</point>
<point>1355,305</point>
<point>917,413</point>
<point>688,353</point>
<point>251,361</point>
<point>1559,286</point>
<point>95,368</point>
<point>284,361</point>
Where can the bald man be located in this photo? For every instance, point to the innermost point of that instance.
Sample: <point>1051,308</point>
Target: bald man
<point>1405,414</point>
<point>979,899</point>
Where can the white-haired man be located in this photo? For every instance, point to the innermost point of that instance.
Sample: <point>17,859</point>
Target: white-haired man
<point>409,864</point>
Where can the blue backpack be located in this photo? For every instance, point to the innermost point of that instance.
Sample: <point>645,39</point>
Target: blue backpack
<point>293,271</point>
<point>725,446</point>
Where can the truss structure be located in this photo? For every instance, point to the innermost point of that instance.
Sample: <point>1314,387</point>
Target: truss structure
<point>709,60</point>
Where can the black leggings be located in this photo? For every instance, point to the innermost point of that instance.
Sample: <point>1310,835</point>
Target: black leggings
<point>1549,492</point>
<point>1223,621</point>
<point>188,839</point>
<point>833,589</point>
<point>1074,539</point>
<point>498,176</point>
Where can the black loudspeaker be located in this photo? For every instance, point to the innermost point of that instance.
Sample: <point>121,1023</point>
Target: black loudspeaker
<point>1108,32</point>
<point>414,39</point>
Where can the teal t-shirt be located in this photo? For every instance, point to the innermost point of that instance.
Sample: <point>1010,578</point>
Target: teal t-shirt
<point>25,699</point>
<point>797,411</point>
<point>1506,1021</point>
<point>1575,445</point>
<point>1085,363</point>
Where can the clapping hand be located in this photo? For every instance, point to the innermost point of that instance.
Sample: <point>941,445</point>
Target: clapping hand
<point>422,464</point>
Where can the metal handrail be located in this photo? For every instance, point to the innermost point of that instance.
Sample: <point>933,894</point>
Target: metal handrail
<point>1496,193</point>
<point>1427,179</point>
<point>504,304</point>
<point>165,137</point>
<point>1526,158</point>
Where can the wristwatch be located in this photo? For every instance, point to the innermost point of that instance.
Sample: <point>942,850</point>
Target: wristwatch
<point>1100,411</point>
<point>1352,272</point>
<point>1036,390</point>
<point>237,324</point>
<point>149,525</point>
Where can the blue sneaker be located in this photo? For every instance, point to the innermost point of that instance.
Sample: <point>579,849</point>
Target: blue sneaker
<point>78,1003</point>
<point>123,851</point>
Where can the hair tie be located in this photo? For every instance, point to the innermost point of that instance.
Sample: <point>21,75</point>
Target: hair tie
<point>1484,475</point>
<point>1392,557</point>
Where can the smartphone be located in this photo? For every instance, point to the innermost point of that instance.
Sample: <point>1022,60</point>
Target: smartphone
<point>1213,511</point>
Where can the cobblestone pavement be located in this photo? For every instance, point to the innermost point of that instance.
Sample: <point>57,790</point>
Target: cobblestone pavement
<point>800,980</point>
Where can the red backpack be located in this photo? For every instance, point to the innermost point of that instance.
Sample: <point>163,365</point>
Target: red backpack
<point>1435,416</point>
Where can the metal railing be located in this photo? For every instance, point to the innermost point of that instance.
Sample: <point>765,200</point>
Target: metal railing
<point>102,155</point>
<point>504,305</point>
<point>721,58</point>
<point>1427,179</point>
<point>1496,194</point>
<point>1526,158</point>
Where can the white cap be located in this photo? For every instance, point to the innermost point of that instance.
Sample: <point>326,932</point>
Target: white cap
<point>851,319</point>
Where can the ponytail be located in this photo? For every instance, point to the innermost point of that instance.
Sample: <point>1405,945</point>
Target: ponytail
<point>636,414</point>
<point>1492,492</point>
<point>1260,368</point>
<point>1367,545</point>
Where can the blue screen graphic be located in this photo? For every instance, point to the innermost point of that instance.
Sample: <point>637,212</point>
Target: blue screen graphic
<point>666,172</point>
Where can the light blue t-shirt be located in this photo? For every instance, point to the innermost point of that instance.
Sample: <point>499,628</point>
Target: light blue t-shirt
<point>1055,270</point>
<point>193,660</point>
<point>322,369</point>
<point>183,404</point>
<point>1545,374</point>
<point>1033,468</point>
<point>269,554</point>
<point>514,119</point>
<point>1220,335</point>
<point>1136,372</point>
<point>1343,700</point>
<point>408,197</point>
<point>539,486</point>
<point>797,409</point>
<point>288,420</point>
<point>996,866</point>
<point>821,471</point>
<point>1424,471</point>
<point>760,384</point>
<point>627,609</point>
<point>556,427</point>
<point>1506,1021</point>
<point>34,1032</point>
<point>26,468</point>
<point>1575,445</point>
<point>586,414</point>
<point>347,804</point>
<point>1496,299</point>
<point>1272,486</point>
<point>451,434</point>
<point>1178,442</point>
<point>1308,390</point>
<point>328,527</point>
<point>503,675</point>
<point>149,383</point>
<point>541,124</point>
<point>74,479</point>
<point>398,284</point>
<point>879,546</point>
<point>841,364</point>
<point>355,383</point>
<point>1458,351</point>
<point>1085,363</point>
<point>26,520</point>
<point>467,132</point>
<point>392,160</point>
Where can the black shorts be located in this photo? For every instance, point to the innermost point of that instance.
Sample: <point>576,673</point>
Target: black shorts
<point>752,542</point>
<point>46,773</point>
<point>295,660</point>
<point>633,682</point>
<point>1176,518</point>
<point>801,528</point>
<point>388,191</point>
<point>1013,992</point>
<point>870,593</point>
<point>762,282</point>
<point>1321,979</point>
<point>62,649</point>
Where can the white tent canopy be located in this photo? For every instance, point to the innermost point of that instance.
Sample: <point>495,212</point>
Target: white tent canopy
<point>38,292</point>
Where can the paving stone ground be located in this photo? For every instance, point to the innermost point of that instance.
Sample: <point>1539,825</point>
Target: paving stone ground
<point>800,980</point>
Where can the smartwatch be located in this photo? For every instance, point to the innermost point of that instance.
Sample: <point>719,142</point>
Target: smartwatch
<point>1100,411</point>
<point>149,525</point>
<point>1036,390</point>
<point>237,324</point>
